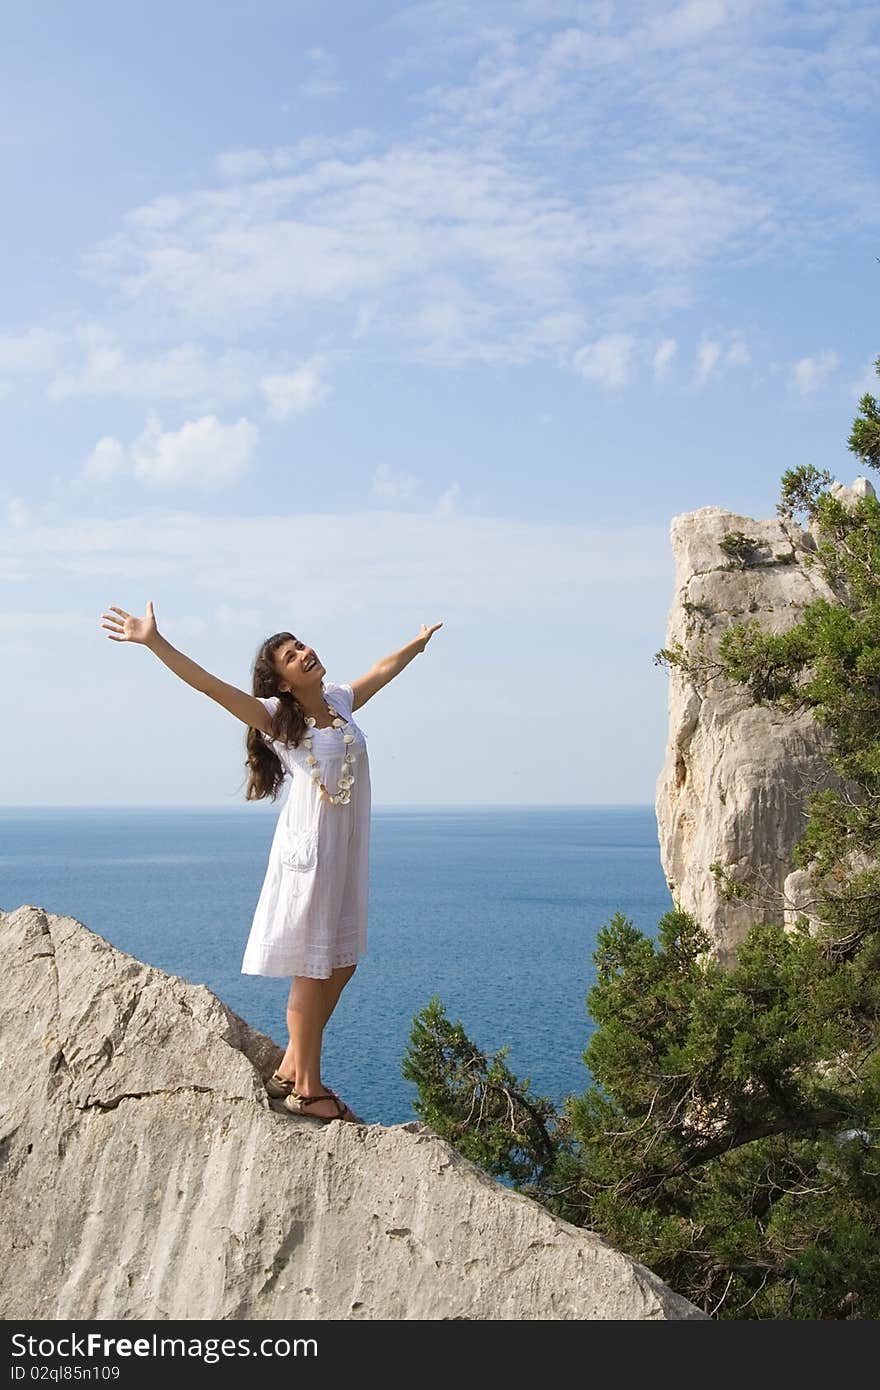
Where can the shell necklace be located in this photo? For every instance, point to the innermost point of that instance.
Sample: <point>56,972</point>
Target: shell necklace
<point>342,796</point>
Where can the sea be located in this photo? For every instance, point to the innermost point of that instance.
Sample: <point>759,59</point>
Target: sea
<point>493,910</point>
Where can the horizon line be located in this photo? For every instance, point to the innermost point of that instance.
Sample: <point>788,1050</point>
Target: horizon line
<point>378,806</point>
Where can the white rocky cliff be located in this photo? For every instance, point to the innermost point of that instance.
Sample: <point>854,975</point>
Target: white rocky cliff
<point>145,1175</point>
<point>736,775</point>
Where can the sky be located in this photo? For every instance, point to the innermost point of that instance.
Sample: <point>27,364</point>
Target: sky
<point>341,318</point>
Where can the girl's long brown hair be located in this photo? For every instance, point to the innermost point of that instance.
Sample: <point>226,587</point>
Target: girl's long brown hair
<point>264,767</point>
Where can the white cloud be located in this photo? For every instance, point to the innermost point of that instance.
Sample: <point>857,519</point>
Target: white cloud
<point>465,254</point>
<point>708,357</point>
<point>688,23</point>
<point>202,453</point>
<point>393,487</point>
<point>292,393</point>
<point>184,372</point>
<point>778,93</point>
<point>712,357</point>
<point>607,361</point>
<point>163,212</point>
<point>245,162</point>
<point>737,355</point>
<point>400,229</point>
<point>107,460</point>
<point>708,132</point>
<point>809,373</point>
<point>381,560</point>
<point>662,360</point>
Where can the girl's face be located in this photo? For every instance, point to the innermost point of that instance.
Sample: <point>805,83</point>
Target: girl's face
<point>298,667</point>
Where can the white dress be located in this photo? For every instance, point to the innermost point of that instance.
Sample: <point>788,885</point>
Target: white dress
<point>311,915</point>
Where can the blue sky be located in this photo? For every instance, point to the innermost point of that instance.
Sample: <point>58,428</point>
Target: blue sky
<point>343,317</point>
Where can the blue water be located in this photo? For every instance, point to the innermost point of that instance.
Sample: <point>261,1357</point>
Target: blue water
<point>495,910</point>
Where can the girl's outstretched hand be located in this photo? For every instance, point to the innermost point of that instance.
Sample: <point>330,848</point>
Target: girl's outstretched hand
<point>125,628</point>
<point>426,634</point>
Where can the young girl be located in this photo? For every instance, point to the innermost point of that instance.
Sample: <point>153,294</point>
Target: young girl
<point>310,920</point>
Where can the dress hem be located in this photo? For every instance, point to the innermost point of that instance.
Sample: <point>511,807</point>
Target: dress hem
<point>309,970</point>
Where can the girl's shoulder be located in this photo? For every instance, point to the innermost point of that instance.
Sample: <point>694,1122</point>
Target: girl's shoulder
<point>330,687</point>
<point>341,697</point>
<point>270,704</point>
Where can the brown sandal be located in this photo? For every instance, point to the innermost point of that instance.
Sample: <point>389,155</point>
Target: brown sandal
<point>296,1104</point>
<point>278,1086</point>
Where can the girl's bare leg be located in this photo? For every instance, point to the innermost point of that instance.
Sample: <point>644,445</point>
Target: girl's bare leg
<point>335,985</point>
<point>309,1006</point>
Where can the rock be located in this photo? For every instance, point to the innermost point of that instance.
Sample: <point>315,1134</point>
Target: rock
<point>145,1174</point>
<point>850,495</point>
<point>800,897</point>
<point>736,775</point>
<point>802,887</point>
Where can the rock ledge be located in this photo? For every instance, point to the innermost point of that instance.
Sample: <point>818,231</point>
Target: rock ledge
<point>145,1175</point>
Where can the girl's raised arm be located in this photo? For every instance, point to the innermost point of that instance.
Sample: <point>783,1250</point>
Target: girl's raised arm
<point>124,628</point>
<point>365,687</point>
